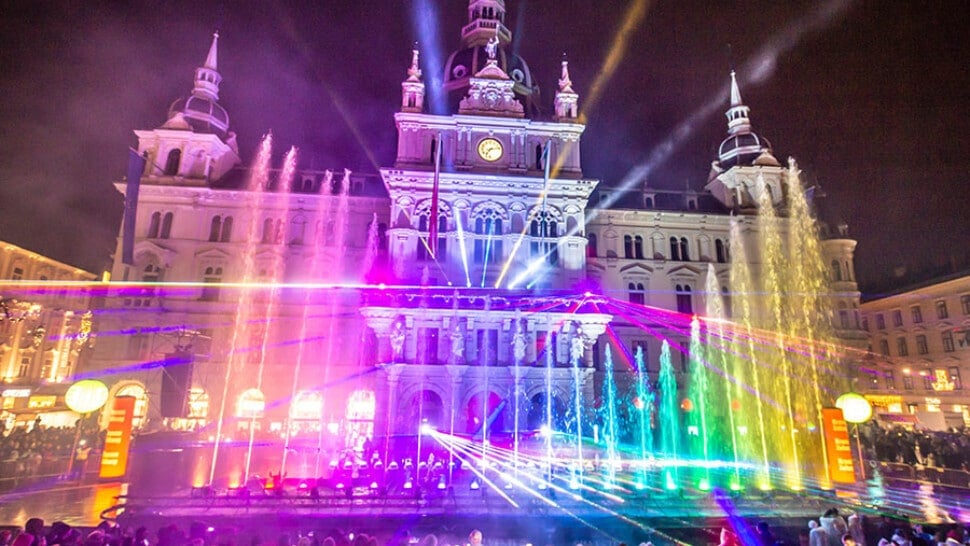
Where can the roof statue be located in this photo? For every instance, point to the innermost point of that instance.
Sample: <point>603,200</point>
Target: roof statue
<point>491,48</point>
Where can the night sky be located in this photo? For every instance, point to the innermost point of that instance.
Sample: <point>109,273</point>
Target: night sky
<point>869,96</point>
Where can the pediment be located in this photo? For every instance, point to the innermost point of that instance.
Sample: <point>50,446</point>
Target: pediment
<point>213,254</point>
<point>636,268</point>
<point>684,271</point>
<point>143,249</point>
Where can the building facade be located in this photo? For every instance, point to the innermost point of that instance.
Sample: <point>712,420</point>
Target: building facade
<point>459,283</point>
<point>919,353</point>
<point>45,327</point>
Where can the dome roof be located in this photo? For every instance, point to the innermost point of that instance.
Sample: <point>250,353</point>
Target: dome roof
<point>742,148</point>
<point>465,63</point>
<point>203,114</point>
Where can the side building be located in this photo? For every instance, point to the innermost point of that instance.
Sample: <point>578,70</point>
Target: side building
<point>919,353</point>
<point>45,327</point>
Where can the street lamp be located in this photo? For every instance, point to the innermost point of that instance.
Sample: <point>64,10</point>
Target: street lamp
<point>84,397</point>
<point>856,410</point>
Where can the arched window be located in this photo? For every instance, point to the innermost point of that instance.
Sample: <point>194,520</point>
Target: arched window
<point>638,247</point>
<point>627,246</point>
<point>215,228</point>
<point>488,231</point>
<point>684,251</point>
<point>719,251</point>
<point>684,303</point>
<point>442,249</point>
<point>674,249</point>
<point>154,224</point>
<point>591,245</point>
<point>422,243</point>
<point>648,202</point>
<point>836,271</point>
<point>637,293</point>
<point>539,164</point>
<point>211,275</point>
<point>226,234</point>
<point>172,163</point>
<point>167,225</point>
<point>151,273</point>
<point>361,409</point>
<point>434,149</point>
<point>848,271</point>
<point>251,404</point>
<point>267,236</point>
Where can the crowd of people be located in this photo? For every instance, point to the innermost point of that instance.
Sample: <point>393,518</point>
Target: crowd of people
<point>38,450</point>
<point>939,449</point>
<point>835,529</point>
<point>830,529</point>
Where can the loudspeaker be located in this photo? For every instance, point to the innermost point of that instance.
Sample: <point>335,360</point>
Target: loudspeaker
<point>176,380</point>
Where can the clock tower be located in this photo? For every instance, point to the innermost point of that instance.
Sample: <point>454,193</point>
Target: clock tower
<point>490,193</point>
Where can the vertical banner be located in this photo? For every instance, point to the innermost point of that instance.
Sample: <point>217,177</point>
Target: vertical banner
<point>136,166</point>
<point>838,446</point>
<point>114,458</point>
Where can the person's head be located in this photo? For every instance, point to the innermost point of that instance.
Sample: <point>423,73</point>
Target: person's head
<point>475,537</point>
<point>847,540</point>
<point>812,524</point>
<point>34,526</point>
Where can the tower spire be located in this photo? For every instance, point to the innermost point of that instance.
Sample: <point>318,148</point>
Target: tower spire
<point>207,77</point>
<point>412,89</point>
<point>737,114</point>
<point>567,100</point>
<point>211,60</point>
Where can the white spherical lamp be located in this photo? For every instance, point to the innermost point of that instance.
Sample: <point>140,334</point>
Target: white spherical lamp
<point>855,408</point>
<point>86,396</point>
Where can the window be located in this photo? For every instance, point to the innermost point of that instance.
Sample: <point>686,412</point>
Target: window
<point>917,313</point>
<point>901,347</point>
<point>211,275</point>
<point>674,249</point>
<point>18,274</point>
<point>843,316</point>
<point>720,251</point>
<point>941,312</point>
<point>638,247</point>
<point>24,367</point>
<point>684,304</point>
<point>591,245</point>
<point>154,225</point>
<point>151,273</point>
<point>908,382</point>
<point>884,347</point>
<point>897,317</point>
<point>172,163</point>
<point>890,380</point>
<point>948,342</point>
<point>954,373</point>
<point>965,304</point>
<point>865,324</point>
<point>167,225</point>
<point>637,293</point>
<point>922,347</point>
<point>927,380</point>
<point>836,271</point>
<point>684,254</point>
<point>488,242</point>
<point>880,322</point>
<point>215,228</point>
<point>627,246</point>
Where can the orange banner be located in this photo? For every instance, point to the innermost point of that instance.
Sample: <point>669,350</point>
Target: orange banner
<point>838,446</point>
<point>114,458</point>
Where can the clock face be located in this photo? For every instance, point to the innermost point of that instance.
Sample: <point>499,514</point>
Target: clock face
<point>490,149</point>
